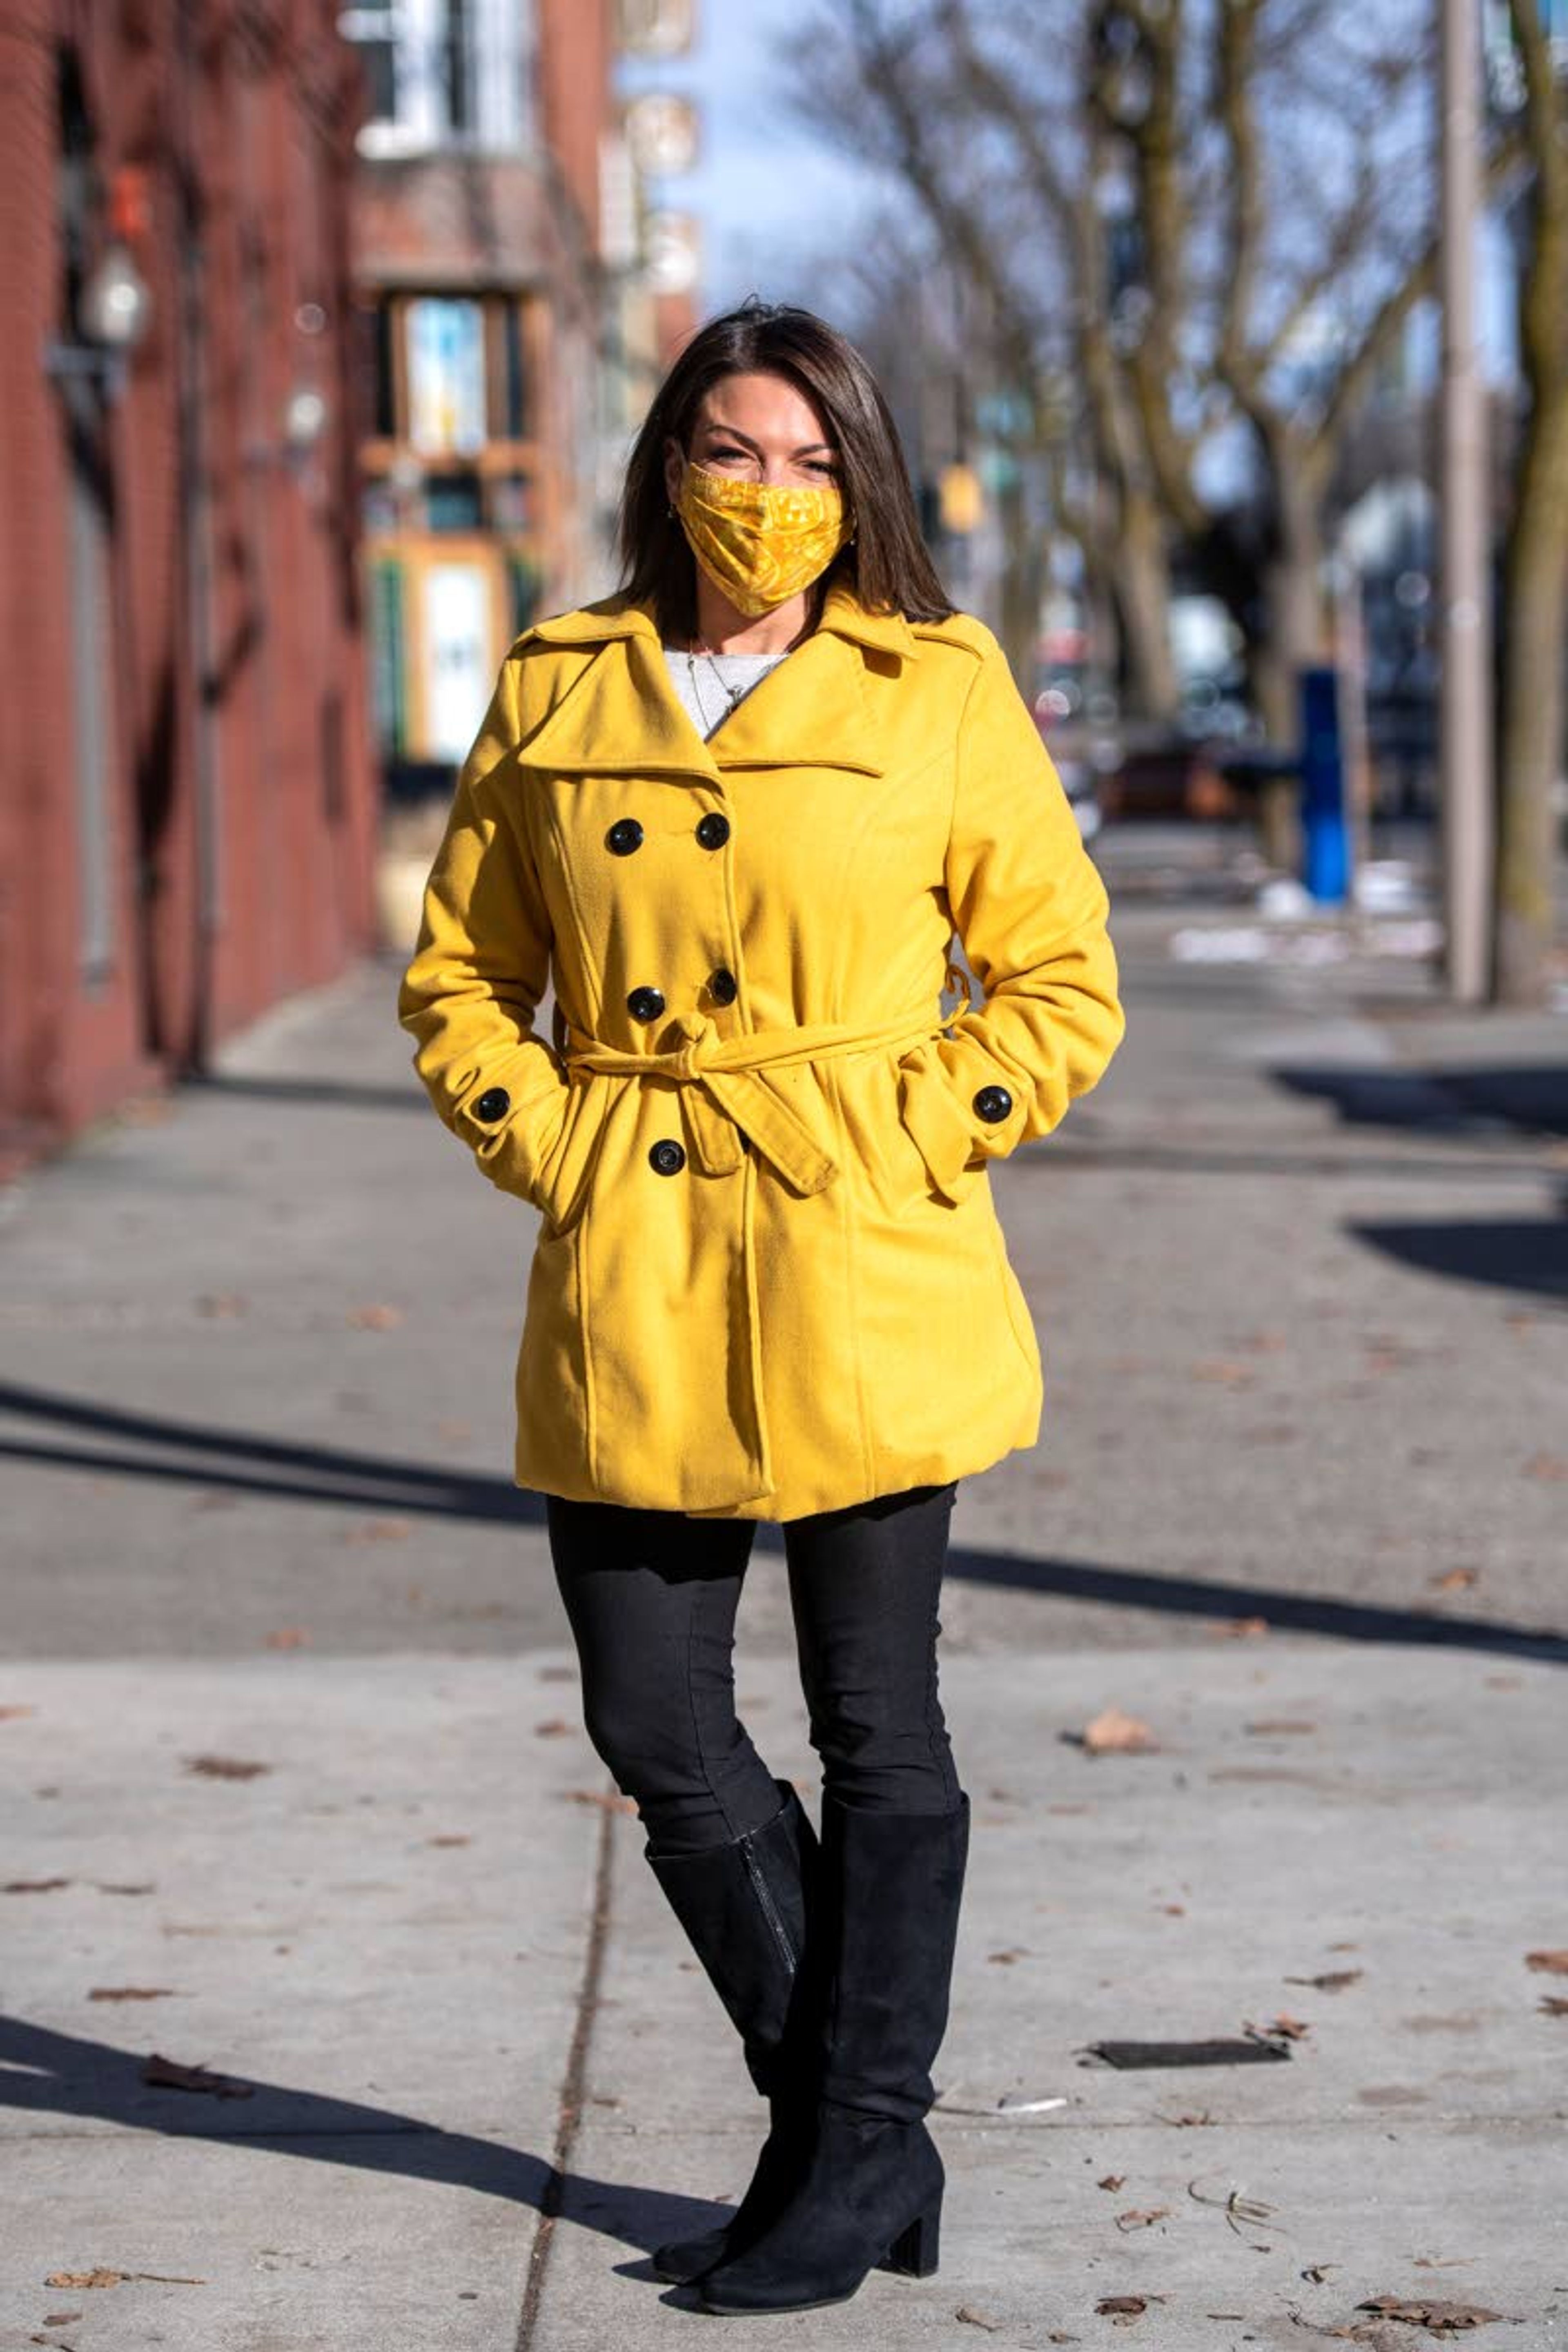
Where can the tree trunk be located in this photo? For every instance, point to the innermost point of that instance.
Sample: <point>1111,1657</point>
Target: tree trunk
<point>1294,634</point>
<point>1531,733</point>
<point>1142,584</point>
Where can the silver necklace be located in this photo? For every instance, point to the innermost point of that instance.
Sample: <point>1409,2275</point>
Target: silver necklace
<point>732,694</point>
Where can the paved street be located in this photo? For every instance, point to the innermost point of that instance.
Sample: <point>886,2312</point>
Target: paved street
<point>1301,1270</point>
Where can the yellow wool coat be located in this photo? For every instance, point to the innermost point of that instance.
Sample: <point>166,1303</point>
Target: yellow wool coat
<point>769,1278</point>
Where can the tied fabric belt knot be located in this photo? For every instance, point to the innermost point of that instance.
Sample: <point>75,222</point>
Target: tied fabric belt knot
<point>727,1091</point>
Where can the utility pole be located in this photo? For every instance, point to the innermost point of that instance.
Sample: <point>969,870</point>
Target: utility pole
<point>1465,745</point>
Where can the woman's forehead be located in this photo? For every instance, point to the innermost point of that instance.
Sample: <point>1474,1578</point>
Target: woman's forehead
<point>764,406</point>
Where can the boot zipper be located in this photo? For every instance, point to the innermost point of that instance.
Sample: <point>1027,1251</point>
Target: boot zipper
<point>765,1903</point>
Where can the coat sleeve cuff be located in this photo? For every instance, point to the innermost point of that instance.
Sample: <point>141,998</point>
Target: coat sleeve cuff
<point>937,1105</point>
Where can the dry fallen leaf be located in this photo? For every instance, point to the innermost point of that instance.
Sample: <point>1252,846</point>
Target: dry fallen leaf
<point>33,1885</point>
<point>131,1992</point>
<point>60,2318</point>
<point>105,2277</point>
<point>1141,2219</point>
<point>1332,1980</point>
<point>451,1837</point>
<point>9,1713</point>
<point>172,2075</point>
<point>1548,1964</point>
<point>1230,1376</point>
<point>1441,2318</point>
<point>1288,2029</point>
<point>606,1799</point>
<point>1113,1733</point>
<point>1239,1629</point>
<point>378,1317</point>
<point>1271,1727</point>
<point>287,1637</point>
<point>1457,1580</point>
<point>972,2318</point>
<point>1125,2306</point>
<point>225,1767</point>
<point>126,1885</point>
<point>1005,1959</point>
<point>1553,2004</point>
<point>1112,2180</point>
<point>556,1728</point>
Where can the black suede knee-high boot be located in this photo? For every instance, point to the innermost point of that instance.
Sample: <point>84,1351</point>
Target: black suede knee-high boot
<point>870,2193</point>
<point>746,1908</point>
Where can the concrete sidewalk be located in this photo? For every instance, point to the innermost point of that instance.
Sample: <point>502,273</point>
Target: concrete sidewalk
<point>476,2075</point>
<point>1301,1270</point>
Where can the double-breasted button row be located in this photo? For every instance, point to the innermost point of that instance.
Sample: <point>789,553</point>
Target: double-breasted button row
<point>993,1103</point>
<point>648,1004</point>
<point>627,835</point>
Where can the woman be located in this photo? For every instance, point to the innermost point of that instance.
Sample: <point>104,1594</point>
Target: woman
<point>735,813</point>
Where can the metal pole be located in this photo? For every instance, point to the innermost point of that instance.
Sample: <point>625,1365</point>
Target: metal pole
<point>1465,751</point>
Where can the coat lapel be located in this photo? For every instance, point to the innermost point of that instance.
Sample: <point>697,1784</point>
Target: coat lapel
<point>622,714</point>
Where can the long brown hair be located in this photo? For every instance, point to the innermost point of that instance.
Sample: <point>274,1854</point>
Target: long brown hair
<point>885,565</point>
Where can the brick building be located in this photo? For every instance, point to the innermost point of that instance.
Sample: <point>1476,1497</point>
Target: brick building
<point>187,801</point>
<point>514,327</point>
<point>481,274</point>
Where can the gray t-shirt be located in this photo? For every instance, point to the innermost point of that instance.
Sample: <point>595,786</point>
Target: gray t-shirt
<point>710,686</point>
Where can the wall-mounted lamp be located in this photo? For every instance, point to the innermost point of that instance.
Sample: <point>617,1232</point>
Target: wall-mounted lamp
<point>114,304</point>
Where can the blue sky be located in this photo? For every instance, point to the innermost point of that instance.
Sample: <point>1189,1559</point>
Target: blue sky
<point>771,200</point>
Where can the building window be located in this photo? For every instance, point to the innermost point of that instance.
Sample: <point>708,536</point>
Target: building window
<point>443,73</point>
<point>452,502</point>
<point>445,354</point>
<point>514,372</point>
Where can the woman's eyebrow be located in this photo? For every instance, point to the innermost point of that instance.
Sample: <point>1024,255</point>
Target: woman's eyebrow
<point>714,424</point>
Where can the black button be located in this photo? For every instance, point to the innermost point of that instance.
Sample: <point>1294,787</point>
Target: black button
<point>713,830</point>
<point>667,1157</point>
<point>722,986</point>
<point>624,835</point>
<point>644,1004</point>
<point>993,1103</point>
<point>493,1104</point>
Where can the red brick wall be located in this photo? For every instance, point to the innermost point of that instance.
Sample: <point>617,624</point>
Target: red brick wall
<point>242,815</point>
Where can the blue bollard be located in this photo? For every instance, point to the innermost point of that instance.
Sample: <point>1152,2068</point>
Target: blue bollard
<point>1325,833</point>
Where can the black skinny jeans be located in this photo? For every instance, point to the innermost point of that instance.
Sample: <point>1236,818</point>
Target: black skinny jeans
<point>651,1597</point>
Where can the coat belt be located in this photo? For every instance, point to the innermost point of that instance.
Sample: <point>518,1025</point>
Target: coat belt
<point>729,1096</point>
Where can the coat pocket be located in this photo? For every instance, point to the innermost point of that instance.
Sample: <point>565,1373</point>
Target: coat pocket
<point>884,1146</point>
<point>937,1125</point>
<point>565,1177</point>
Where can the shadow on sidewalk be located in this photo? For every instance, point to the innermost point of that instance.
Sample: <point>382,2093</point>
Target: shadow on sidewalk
<point>1531,1098</point>
<point>233,1460</point>
<point>45,2073</point>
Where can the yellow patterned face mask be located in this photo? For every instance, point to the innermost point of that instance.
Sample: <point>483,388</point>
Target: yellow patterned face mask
<point>758,542</point>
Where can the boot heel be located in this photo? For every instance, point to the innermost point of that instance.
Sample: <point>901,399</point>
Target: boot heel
<point>914,2251</point>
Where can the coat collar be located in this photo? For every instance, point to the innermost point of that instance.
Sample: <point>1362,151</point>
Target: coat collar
<point>622,714</point>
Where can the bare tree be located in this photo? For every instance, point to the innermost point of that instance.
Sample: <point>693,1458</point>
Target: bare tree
<point>1211,219</point>
<point>1534,634</point>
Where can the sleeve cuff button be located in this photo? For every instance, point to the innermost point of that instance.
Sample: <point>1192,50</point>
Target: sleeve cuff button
<point>993,1103</point>
<point>493,1104</point>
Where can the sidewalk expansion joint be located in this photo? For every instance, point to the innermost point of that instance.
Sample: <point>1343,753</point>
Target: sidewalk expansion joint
<point>573,2083</point>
